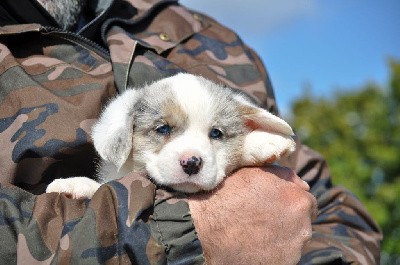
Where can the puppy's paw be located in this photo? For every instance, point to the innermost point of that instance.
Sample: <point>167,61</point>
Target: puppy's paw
<point>262,147</point>
<point>76,187</point>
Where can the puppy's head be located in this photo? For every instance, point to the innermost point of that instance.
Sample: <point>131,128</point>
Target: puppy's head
<point>188,133</point>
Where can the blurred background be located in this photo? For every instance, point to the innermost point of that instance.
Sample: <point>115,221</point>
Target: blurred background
<point>335,68</point>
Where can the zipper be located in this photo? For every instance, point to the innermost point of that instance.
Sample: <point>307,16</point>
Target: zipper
<point>69,35</point>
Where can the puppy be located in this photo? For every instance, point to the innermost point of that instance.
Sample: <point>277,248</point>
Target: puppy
<point>186,132</point>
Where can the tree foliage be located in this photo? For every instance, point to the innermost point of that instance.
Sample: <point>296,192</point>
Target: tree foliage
<point>358,133</point>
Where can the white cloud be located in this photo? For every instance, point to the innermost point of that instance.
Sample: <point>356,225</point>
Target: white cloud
<point>254,16</point>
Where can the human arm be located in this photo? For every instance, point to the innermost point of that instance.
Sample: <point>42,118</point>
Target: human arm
<point>342,231</point>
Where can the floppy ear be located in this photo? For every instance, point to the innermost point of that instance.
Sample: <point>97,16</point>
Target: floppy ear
<point>112,134</point>
<point>270,138</point>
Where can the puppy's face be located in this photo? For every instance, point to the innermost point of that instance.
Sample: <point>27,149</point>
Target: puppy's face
<point>188,133</point>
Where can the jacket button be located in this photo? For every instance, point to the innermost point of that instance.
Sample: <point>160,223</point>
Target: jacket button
<point>164,37</point>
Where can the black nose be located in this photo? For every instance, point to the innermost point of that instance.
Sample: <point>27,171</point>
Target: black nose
<point>191,165</point>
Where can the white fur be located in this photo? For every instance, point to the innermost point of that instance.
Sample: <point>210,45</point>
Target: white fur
<point>77,187</point>
<point>115,122</point>
<point>193,142</point>
<point>269,140</point>
<point>261,146</point>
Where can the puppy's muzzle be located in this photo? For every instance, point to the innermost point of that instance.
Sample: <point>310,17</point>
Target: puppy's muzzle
<point>191,164</point>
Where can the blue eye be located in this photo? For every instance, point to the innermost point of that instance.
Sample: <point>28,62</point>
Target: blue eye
<point>215,133</point>
<point>163,129</point>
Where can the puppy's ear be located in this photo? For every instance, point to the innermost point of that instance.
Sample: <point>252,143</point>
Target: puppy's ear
<point>270,137</point>
<point>112,134</point>
<point>259,119</point>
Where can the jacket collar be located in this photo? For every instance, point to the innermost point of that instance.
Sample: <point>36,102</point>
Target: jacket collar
<point>24,12</point>
<point>31,12</point>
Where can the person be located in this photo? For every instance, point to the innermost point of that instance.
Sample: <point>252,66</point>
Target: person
<point>60,61</point>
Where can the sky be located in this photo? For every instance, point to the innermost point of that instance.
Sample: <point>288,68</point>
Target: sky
<point>326,46</point>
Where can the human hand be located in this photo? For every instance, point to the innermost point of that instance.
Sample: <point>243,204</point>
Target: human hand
<point>257,216</point>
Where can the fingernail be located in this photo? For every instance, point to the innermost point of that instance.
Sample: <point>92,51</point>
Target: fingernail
<point>306,186</point>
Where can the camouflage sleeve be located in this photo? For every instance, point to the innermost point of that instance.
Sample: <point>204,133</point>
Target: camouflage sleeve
<point>343,232</point>
<point>122,224</point>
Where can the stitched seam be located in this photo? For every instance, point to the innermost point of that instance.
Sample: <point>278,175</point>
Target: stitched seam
<point>162,241</point>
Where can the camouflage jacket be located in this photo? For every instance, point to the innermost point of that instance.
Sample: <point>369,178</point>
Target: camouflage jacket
<point>52,87</point>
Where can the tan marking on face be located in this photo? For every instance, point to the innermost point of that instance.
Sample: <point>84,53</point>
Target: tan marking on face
<point>173,114</point>
<point>176,118</point>
<point>150,140</point>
